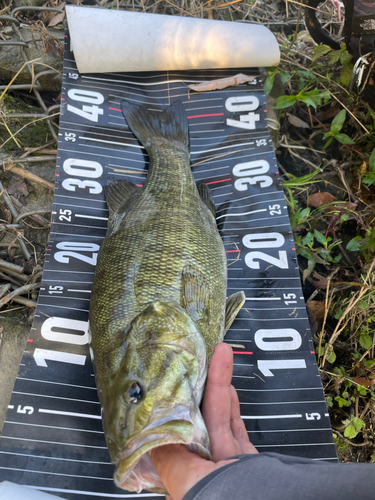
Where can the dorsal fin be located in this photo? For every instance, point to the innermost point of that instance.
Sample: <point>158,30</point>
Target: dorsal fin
<point>118,194</point>
<point>206,197</point>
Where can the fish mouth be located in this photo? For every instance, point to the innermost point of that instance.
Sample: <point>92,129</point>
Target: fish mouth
<point>134,468</point>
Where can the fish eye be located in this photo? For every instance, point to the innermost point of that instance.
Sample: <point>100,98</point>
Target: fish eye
<point>135,393</point>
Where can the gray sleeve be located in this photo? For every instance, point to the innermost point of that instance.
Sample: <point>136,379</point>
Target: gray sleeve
<point>270,476</point>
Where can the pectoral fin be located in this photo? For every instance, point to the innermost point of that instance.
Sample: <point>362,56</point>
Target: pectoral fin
<point>233,306</point>
<point>206,196</point>
<point>194,293</point>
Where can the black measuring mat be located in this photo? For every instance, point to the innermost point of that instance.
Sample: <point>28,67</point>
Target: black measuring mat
<point>52,438</point>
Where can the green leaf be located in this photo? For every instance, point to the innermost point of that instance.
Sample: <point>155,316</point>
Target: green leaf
<point>344,139</point>
<point>320,50</point>
<point>362,390</point>
<point>354,244</point>
<point>285,101</point>
<point>331,357</point>
<point>338,121</point>
<point>346,73</point>
<point>329,401</point>
<point>320,237</point>
<point>341,401</point>
<point>328,142</point>
<point>339,313</point>
<point>369,179</point>
<point>363,304</point>
<point>365,340</point>
<point>372,161</point>
<point>344,217</point>
<point>268,84</point>
<point>308,239</point>
<point>284,76</point>
<point>334,56</point>
<point>353,426</point>
<point>308,101</point>
<point>304,213</point>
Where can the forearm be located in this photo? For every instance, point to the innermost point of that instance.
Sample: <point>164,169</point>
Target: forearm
<point>270,476</point>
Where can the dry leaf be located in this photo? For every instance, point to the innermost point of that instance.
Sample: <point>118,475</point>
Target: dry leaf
<point>321,198</point>
<point>364,381</point>
<point>17,187</point>
<point>222,83</point>
<point>315,313</point>
<point>320,281</point>
<point>297,122</point>
<point>316,309</point>
<point>57,19</point>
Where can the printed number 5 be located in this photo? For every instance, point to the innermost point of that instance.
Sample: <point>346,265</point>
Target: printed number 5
<point>25,409</point>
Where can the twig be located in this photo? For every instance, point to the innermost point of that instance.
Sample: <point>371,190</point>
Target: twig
<point>348,110</point>
<point>32,177</point>
<point>18,291</point>
<point>358,445</point>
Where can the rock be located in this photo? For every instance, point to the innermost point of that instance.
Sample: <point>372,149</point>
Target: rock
<point>44,45</point>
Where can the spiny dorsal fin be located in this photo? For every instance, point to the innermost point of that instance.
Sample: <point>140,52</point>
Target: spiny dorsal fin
<point>117,194</point>
<point>169,124</point>
<point>194,293</point>
<point>233,306</point>
<point>206,196</point>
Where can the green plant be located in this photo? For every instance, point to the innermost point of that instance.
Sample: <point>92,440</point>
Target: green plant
<point>309,97</point>
<point>353,426</point>
<point>334,133</point>
<point>369,179</point>
<point>364,244</point>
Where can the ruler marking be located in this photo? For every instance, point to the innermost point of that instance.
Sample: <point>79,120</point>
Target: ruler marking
<point>56,397</point>
<point>69,413</point>
<point>56,473</point>
<point>44,457</point>
<point>56,442</point>
<point>55,427</point>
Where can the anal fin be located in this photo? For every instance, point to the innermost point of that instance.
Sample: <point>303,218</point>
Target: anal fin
<point>233,306</point>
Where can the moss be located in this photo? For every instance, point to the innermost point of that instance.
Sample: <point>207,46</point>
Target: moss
<point>36,134</point>
<point>343,449</point>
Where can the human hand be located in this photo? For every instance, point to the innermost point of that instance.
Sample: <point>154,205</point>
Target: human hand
<point>178,468</point>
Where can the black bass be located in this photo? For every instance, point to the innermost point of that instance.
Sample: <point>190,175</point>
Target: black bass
<point>158,304</point>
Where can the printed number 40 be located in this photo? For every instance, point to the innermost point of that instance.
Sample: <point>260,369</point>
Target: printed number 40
<point>91,112</point>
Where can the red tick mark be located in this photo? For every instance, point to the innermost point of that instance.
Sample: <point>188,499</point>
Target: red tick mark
<point>204,116</point>
<point>242,352</point>
<point>215,182</point>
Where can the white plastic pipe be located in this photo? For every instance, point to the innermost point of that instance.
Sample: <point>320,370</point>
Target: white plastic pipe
<point>114,41</point>
<point>12,491</point>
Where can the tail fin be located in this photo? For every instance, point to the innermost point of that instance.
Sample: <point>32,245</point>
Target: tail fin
<point>149,126</point>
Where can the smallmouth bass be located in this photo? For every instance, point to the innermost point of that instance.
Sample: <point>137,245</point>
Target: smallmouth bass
<point>158,304</point>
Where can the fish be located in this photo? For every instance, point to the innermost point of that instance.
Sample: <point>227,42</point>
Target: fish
<point>159,304</point>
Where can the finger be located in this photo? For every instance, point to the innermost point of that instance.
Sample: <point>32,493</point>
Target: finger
<point>217,403</point>
<point>238,426</point>
<point>179,469</point>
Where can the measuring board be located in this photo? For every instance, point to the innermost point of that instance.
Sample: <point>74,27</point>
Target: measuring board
<point>53,438</point>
